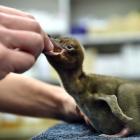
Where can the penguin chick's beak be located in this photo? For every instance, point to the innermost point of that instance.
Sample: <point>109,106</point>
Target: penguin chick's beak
<point>57,50</point>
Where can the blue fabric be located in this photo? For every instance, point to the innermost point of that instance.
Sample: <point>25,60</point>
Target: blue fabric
<point>67,131</point>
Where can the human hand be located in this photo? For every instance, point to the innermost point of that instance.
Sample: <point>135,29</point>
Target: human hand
<point>38,99</point>
<point>21,41</point>
<point>71,112</point>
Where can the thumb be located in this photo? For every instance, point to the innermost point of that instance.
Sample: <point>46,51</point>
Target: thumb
<point>48,46</point>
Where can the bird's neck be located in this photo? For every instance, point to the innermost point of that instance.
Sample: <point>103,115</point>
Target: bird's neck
<point>73,81</point>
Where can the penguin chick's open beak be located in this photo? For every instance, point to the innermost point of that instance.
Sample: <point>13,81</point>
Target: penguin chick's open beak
<point>57,50</point>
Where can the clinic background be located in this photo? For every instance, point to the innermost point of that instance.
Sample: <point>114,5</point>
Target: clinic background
<point>109,31</point>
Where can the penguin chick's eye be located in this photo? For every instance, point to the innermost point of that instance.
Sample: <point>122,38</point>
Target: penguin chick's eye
<point>69,47</point>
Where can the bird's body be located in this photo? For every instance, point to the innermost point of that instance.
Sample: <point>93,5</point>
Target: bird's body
<point>111,104</point>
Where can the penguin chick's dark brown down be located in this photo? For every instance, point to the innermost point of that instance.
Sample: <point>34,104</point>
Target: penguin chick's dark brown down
<point>111,104</point>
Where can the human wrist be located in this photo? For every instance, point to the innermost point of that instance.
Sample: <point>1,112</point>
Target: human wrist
<point>62,106</point>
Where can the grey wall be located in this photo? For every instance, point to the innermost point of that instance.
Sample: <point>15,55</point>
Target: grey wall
<point>102,8</point>
<point>43,5</point>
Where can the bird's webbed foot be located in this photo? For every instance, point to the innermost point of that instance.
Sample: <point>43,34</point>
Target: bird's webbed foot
<point>123,133</point>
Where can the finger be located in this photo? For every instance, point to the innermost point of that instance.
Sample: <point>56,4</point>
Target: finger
<point>19,23</point>
<point>48,46</point>
<point>30,42</point>
<point>19,61</point>
<point>3,62</point>
<point>12,11</point>
<point>14,61</point>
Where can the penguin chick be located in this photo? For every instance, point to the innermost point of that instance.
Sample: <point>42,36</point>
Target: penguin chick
<point>111,104</point>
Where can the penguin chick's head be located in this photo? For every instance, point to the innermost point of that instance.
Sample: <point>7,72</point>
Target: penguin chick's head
<point>67,54</point>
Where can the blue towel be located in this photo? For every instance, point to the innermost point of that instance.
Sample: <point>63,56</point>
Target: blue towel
<point>67,131</point>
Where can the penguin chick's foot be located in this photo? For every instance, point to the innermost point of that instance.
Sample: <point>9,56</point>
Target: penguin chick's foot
<point>123,133</point>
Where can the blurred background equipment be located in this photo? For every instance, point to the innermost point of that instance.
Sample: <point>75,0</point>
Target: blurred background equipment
<point>110,32</point>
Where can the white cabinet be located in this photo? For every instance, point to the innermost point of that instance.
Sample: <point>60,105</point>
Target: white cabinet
<point>53,15</point>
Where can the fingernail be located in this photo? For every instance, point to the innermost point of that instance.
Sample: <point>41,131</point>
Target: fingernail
<point>51,47</point>
<point>48,45</point>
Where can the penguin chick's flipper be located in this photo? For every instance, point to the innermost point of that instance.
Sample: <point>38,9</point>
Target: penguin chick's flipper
<point>123,133</point>
<point>112,102</point>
